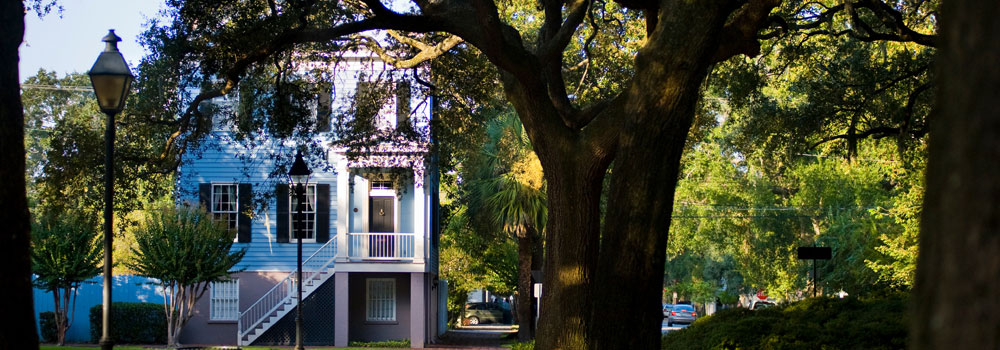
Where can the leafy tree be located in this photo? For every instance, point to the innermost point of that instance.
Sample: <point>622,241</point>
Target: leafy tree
<point>729,209</point>
<point>639,122</point>
<point>186,251</point>
<point>470,261</point>
<point>66,251</point>
<point>65,143</point>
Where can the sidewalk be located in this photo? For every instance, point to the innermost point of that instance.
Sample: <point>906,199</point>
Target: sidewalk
<point>481,337</point>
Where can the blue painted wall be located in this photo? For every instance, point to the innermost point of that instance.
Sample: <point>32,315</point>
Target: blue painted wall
<point>126,288</point>
<point>223,160</point>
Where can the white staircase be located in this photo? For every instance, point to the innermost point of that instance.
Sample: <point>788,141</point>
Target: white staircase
<point>281,299</point>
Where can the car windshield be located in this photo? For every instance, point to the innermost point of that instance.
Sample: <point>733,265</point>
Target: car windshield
<point>683,308</point>
<point>762,305</point>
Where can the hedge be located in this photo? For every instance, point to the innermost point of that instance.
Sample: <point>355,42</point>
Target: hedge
<point>47,323</point>
<point>131,323</point>
<point>817,323</point>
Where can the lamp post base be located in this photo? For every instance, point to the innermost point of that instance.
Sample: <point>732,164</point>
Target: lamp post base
<point>107,344</point>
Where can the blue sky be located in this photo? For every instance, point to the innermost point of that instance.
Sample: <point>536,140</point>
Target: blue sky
<point>71,43</point>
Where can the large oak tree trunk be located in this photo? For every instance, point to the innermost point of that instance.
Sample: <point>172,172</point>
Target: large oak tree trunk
<point>640,199</point>
<point>573,178</point>
<point>570,255</point>
<point>956,301</point>
<point>15,237</point>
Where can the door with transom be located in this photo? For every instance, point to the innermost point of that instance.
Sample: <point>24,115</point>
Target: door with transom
<point>381,242</point>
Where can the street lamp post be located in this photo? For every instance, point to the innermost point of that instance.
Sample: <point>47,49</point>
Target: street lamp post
<point>299,177</point>
<point>111,80</point>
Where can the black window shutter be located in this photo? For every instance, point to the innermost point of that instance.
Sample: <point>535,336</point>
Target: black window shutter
<point>205,196</point>
<point>323,107</point>
<point>403,105</point>
<point>245,196</point>
<point>322,213</point>
<point>281,192</point>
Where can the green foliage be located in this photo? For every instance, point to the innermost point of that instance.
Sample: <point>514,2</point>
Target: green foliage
<point>66,251</point>
<point>131,323</point>
<point>404,343</point>
<point>185,250</point>
<point>737,223</point>
<point>530,345</point>
<point>183,246</point>
<point>47,324</point>
<point>64,139</point>
<point>64,142</point>
<point>817,323</point>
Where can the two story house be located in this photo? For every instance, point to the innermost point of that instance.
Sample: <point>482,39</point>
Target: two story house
<point>369,229</point>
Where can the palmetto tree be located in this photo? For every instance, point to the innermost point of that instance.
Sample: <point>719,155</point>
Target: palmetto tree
<point>507,193</point>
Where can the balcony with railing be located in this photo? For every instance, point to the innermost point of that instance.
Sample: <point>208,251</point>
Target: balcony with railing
<point>382,246</point>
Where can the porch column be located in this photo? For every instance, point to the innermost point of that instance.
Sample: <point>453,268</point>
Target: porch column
<point>340,309</point>
<point>419,212</point>
<point>418,319</point>
<point>343,208</point>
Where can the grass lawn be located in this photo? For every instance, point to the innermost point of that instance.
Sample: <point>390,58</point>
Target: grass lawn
<point>154,347</point>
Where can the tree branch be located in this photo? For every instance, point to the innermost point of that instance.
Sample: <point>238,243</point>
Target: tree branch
<point>425,52</point>
<point>877,132</point>
<point>739,36</point>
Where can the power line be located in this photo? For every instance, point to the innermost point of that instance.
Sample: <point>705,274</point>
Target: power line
<point>58,87</point>
<point>740,208</point>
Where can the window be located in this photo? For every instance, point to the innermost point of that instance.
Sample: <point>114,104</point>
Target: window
<point>224,208</point>
<point>381,185</point>
<point>381,299</point>
<point>225,301</point>
<point>308,218</point>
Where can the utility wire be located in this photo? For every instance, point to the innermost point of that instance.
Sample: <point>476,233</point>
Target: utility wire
<point>58,87</point>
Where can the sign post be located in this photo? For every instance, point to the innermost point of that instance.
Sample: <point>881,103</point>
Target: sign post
<point>815,253</point>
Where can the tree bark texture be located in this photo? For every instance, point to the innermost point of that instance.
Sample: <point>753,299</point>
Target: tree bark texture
<point>525,313</point>
<point>956,298</point>
<point>15,239</point>
<point>570,258</point>
<point>657,119</point>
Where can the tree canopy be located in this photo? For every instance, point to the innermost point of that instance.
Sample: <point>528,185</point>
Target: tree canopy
<point>561,67</point>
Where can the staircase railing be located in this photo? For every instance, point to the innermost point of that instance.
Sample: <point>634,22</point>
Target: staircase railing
<point>318,262</point>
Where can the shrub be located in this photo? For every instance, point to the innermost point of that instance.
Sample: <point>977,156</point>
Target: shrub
<point>529,345</point>
<point>817,323</point>
<point>131,323</point>
<point>405,343</point>
<point>47,321</point>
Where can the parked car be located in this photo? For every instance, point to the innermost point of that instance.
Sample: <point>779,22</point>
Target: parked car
<point>666,309</point>
<point>681,313</point>
<point>760,304</point>
<point>476,313</point>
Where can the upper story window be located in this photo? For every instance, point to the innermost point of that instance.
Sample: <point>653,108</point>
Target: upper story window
<point>216,113</point>
<point>224,204</point>
<point>308,219</point>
